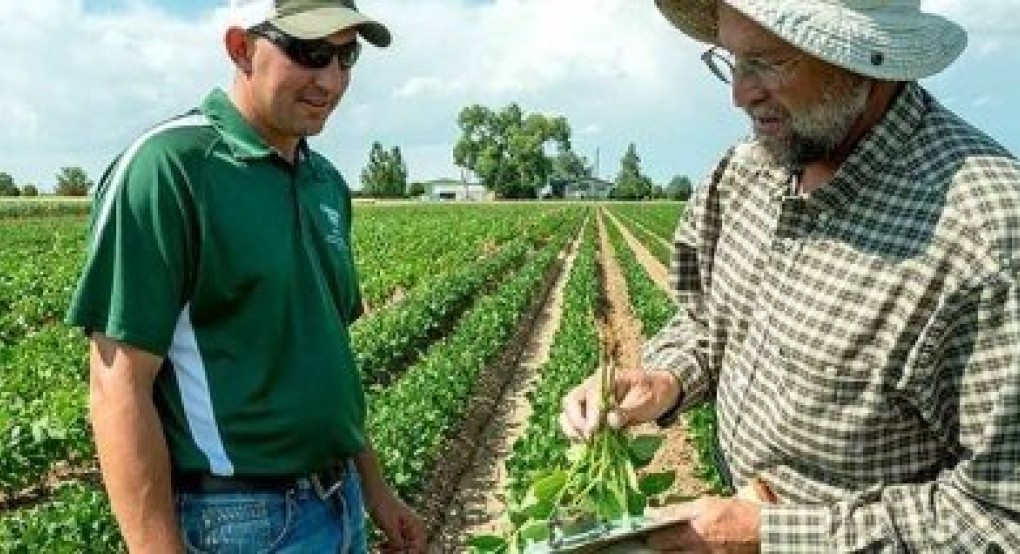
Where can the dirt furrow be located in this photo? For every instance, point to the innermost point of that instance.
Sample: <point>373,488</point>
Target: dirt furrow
<point>624,335</point>
<point>479,503</point>
<point>658,272</point>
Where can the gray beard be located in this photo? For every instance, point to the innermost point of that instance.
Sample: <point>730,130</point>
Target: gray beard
<point>818,131</point>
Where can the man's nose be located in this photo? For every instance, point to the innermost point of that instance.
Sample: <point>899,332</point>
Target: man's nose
<point>747,89</point>
<point>333,77</point>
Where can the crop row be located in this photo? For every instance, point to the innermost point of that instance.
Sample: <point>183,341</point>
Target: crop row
<point>653,308</point>
<point>398,246</point>
<point>410,420</point>
<point>388,340</point>
<point>660,218</point>
<point>77,518</point>
<point>574,355</point>
<point>48,207</point>
<point>656,246</point>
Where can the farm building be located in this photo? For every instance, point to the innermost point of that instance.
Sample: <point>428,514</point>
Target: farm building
<point>578,189</point>
<point>454,190</point>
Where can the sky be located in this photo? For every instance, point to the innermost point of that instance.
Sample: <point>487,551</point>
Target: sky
<point>82,78</point>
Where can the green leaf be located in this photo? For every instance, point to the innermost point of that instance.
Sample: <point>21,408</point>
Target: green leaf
<point>486,543</point>
<point>535,531</point>
<point>636,503</point>
<point>654,484</point>
<point>548,488</point>
<point>643,448</point>
<point>577,451</point>
<point>609,507</point>
<point>518,516</point>
<point>541,510</point>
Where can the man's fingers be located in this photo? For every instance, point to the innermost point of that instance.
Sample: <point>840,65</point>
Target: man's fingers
<point>414,534</point>
<point>581,410</point>
<point>677,538</point>
<point>592,408</point>
<point>573,419</point>
<point>628,411</point>
<point>569,429</point>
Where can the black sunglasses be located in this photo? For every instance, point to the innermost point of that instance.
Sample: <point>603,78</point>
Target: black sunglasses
<point>312,54</point>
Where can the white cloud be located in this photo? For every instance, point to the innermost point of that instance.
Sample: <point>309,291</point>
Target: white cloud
<point>997,16</point>
<point>424,87</point>
<point>77,86</point>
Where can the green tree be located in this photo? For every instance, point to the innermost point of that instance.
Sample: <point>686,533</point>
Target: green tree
<point>631,184</point>
<point>679,188</point>
<point>507,150</point>
<point>385,176</point>
<point>416,189</point>
<point>73,181</point>
<point>30,191</point>
<point>569,165</point>
<point>7,186</point>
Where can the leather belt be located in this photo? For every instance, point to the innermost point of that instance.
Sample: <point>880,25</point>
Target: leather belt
<point>325,483</point>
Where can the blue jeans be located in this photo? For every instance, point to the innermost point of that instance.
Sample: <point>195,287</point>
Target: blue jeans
<point>297,520</point>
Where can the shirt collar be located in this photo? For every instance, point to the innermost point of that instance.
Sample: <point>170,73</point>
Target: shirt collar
<point>239,135</point>
<point>879,150</point>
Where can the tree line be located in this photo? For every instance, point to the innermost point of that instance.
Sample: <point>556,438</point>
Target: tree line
<point>71,181</point>
<point>514,154</point>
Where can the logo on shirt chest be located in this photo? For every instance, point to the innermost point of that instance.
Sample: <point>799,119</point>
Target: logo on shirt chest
<point>335,236</point>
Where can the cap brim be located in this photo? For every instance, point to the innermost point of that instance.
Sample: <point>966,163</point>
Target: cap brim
<point>321,23</point>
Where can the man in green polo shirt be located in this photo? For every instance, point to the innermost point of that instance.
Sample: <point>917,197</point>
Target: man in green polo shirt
<point>219,287</point>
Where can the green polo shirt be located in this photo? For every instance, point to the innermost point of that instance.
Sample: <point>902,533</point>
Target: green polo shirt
<point>210,250</point>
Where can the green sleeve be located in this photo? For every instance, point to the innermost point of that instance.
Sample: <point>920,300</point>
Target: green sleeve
<point>135,282</point>
<point>357,304</point>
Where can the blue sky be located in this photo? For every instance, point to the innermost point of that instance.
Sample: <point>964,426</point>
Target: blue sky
<point>84,77</point>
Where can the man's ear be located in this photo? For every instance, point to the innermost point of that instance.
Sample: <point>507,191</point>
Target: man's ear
<point>239,48</point>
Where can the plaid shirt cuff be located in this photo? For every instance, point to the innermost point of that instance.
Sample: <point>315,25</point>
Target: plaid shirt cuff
<point>795,528</point>
<point>684,366</point>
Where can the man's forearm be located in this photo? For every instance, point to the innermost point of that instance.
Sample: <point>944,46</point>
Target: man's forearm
<point>136,471</point>
<point>132,449</point>
<point>369,469</point>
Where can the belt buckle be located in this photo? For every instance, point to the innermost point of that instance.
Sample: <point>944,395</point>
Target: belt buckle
<point>316,480</point>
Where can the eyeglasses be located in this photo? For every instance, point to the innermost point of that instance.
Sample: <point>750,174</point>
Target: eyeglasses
<point>726,66</point>
<point>311,54</point>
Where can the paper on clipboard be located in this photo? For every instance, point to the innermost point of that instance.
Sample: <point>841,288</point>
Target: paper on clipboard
<point>624,537</point>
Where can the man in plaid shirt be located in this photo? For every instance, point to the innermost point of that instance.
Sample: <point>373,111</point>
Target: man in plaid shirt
<point>847,283</point>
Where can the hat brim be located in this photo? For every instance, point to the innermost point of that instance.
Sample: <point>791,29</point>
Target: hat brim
<point>902,45</point>
<point>322,22</point>
<point>695,18</point>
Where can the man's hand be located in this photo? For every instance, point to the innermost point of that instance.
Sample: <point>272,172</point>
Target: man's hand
<point>404,530</point>
<point>642,395</point>
<point>713,525</point>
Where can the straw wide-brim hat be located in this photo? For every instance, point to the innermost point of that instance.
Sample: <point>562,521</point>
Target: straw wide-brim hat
<point>885,39</point>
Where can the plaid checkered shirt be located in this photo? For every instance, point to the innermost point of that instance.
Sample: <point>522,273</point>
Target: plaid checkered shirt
<point>862,342</point>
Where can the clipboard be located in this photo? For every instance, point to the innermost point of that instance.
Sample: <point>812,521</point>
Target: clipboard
<point>603,536</point>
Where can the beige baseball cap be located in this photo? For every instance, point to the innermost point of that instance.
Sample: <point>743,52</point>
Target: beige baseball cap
<point>310,19</point>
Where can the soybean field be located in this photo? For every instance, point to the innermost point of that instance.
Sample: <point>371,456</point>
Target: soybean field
<point>479,317</point>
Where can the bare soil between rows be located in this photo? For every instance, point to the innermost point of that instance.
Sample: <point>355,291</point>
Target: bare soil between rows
<point>464,494</point>
<point>473,471</point>
<point>624,335</point>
